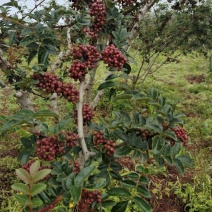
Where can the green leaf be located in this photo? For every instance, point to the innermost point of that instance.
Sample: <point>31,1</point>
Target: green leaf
<point>126,118</point>
<point>10,124</point>
<point>38,188</point>
<point>75,193</point>
<point>133,175</point>
<point>142,204</point>
<point>170,134</point>
<point>23,175</point>
<point>153,93</point>
<point>144,180</point>
<point>128,183</point>
<point>179,166</point>
<point>106,85</point>
<point>116,166</point>
<point>122,151</point>
<point>115,175</point>
<point>101,183</point>
<point>46,113</point>
<point>127,68</point>
<point>83,174</point>
<point>166,150</point>
<point>43,55</point>
<point>175,149</point>
<point>168,159</point>
<point>139,168</point>
<point>142,120</point>
<point>121,135</point>
<point>36,202</point>
<point>41,174</point>
<point>20,187</point>
<point>70,180</point>
<point>31,56</point>
<point>66,198</point>
<point>161,100</point>
<point>22,199</point>
<point>61,125</point>
<point>157,145</point>
<point>124,96</point>
<point>108,203</point>
<point>34,168</point>
<point>167,109</point>
<point>143,191</point>
<point>27,40</point>
<point>120,207</point>
<point>155,127</point>
<point>185,159</point>
<point>112,76</point>
<point>119,192</point>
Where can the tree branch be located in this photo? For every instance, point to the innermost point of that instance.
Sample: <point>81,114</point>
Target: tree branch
<point>83,145</point>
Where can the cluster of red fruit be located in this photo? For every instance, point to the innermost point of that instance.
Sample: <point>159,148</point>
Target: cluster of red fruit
<point>113,57</point>
<point>98,11</point>
<point>144,134</point>
<point>87,114</point>
<point>48,148</point>
<point>51,84</point>
<point>99,140</point>
<point>76,167</point>
<point>85,57</point>
<point>181,134</point>
<point>29,163</point>
<point>78,70</point>
<point>87,200</point>
<point>87,53</point>
<point>71,139</point>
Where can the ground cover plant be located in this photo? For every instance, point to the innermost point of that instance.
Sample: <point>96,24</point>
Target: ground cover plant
<point>81,150</point>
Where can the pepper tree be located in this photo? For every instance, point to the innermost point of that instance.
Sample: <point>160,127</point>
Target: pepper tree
<point>76,159</point>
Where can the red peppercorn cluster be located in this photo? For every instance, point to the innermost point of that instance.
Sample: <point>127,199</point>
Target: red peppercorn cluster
<point>48,148</point>
<point>30,162</point>
<point>98,11</point>
<point>109,146</point>
<point>51,84</point>
<point>144,134</point>
<point>87,114</point>
<point>181,134</point>
<point>71,139</point>
<point>113,57</point>
<point>87,199</point>
<point>78,70</point>
<point>99,140</point>
<point>76,167</point>
<point>86,53</point>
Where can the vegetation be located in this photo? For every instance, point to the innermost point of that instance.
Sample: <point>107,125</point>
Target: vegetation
<point>99,123</point>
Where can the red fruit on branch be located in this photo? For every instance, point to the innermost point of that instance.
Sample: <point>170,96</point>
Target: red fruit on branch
<point>50,83</point>
<point>113,57</point>
<point>87,114</point>
<point>181,134</point>
<point>87,200</point>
